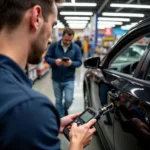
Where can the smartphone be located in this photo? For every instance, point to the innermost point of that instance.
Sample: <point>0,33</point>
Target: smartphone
<point>65,58</point>
<point>85,117</point>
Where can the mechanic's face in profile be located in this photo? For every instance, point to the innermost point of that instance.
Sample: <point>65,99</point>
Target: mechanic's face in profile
<point>67,39</point>
<point>42,40</point>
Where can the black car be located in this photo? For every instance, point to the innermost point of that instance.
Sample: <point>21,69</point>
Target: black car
<point>122,77</point>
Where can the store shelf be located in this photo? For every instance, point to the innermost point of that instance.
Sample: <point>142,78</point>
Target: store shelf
<point>42,72</point>
<point>32,72</point>
<point>35,72</point>
<point>42,68</point>
<point>32,67</point>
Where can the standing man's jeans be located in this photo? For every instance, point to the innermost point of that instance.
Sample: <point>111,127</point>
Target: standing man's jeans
<point>66,89</point>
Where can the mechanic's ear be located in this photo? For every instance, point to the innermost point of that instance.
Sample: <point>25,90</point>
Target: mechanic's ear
<point>35,17</point>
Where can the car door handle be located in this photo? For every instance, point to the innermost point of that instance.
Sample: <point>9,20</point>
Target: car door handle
<point>113,96</point>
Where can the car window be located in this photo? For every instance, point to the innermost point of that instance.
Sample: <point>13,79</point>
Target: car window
<point>127,60</point>
<point>148,75</point>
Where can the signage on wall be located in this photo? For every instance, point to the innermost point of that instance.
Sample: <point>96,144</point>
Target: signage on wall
<point>108,32</point>
<point>118,31</point>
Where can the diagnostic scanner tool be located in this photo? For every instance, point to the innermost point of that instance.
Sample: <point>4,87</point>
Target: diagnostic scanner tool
<point>85,117</point>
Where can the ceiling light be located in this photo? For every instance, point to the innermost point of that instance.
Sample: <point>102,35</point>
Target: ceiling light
<point>73,1</point>
<point>122,14</point>
<point>129,26</point>
<point>77,18</point>
<point>59,25</point>
<point>77,28</point>
<point>79,25</point>
<point>76,13</point>
<point>79,4</point>
<point>126,27</point>
<point>130,6</point>
<point>77,22</point>
<point>134,23</point>
<point>113,19</point>
<point>110,22</point>
<point>108,25</point>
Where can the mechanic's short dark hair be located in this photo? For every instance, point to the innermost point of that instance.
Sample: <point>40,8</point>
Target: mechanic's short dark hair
<point>12,11</point>
<point>68,31</point>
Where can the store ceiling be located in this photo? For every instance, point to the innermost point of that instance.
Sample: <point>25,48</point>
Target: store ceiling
<point>104,6</point>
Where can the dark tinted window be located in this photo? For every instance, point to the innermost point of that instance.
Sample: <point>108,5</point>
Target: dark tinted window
<point>127,60</point>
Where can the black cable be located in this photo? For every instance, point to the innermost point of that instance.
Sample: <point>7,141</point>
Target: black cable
<point>114,128</point>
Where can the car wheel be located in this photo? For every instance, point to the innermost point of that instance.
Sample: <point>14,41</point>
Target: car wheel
<point>86,98</point>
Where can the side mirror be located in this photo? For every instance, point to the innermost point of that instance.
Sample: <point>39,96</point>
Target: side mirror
<point>92,63</point>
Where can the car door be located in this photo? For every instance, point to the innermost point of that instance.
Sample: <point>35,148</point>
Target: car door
<point>134,111</point>
<point>119,77</point>
<point>116,73</point>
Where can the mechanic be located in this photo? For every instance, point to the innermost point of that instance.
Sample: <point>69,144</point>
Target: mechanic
<point>28,120</point>
<point>63,72</point>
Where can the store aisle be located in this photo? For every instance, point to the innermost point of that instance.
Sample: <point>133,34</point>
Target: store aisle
<point>45,86</point>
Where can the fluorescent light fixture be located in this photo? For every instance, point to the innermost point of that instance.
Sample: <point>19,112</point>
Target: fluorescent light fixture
<point>73,1</point>
<point>79,4</point>
<point>77,25</point>
<point>76,13</point>
<point>113,19</point>
<point>129,26</point>
<point>60,25</point>
<point>77,18</point>
<point>130,6</point>
<point>122,14</point>
<point>134,23</point>
<point>106,26</point>
<point>77,22</point>
<point>108,22</point>
<point>126,27</point>
<point>77,28</point>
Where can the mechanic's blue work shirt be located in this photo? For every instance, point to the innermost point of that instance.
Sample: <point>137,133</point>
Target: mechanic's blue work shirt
<point>28,120</point>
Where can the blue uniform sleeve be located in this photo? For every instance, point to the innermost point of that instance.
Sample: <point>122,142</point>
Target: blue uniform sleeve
<point>49,55</point>
<point>78,58</point>
<point>31,125</point>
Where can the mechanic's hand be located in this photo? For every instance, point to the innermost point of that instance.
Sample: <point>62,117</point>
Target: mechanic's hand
<point>58,62</point>
<point>66,120</point>
<point>67,63</point>
<point>82,135</point>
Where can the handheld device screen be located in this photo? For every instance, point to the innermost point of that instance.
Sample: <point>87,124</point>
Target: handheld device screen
<point>86,116</point>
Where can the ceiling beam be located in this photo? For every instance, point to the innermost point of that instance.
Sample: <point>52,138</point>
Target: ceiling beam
<point>129,2</point>
<point>62,20</point>
<point>103,6</point>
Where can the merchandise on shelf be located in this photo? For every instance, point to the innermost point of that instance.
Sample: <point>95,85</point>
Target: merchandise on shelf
<point>32,72</point>
<point>42,68</point>
<point>35,72</point>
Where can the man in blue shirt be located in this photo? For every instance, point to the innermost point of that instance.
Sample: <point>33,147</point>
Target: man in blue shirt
<point>92,47</point>
<point>63,71</point>
<point>28,119</point>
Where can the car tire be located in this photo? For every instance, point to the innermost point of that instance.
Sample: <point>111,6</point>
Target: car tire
<point>86,98</point>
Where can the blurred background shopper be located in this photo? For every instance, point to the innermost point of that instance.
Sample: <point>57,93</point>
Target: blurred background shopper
<point>63,71</point>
